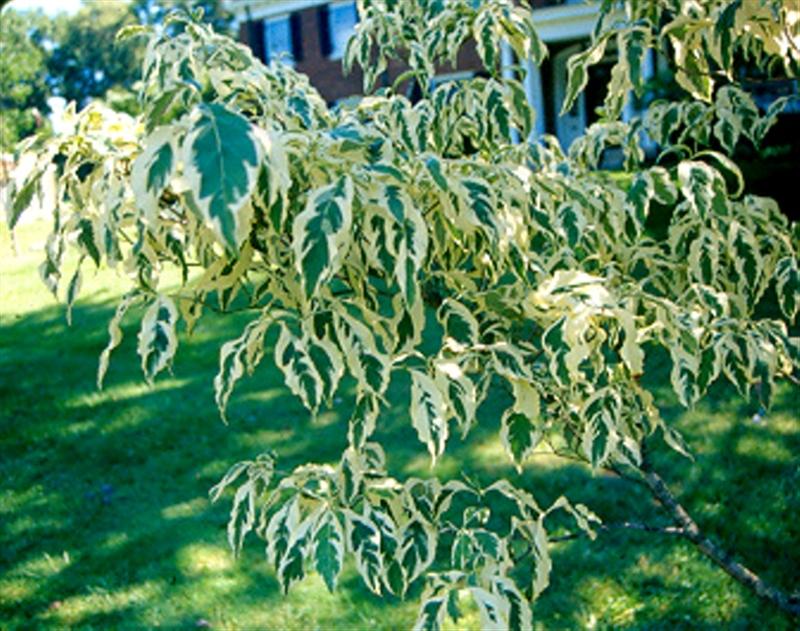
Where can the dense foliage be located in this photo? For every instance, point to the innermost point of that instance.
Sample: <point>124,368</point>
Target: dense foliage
<point>76,57</point>
<point>23,89</point>
<point>419,238</point>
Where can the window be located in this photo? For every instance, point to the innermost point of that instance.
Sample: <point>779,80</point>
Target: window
<point>278,40</point>
<point>342,19</point>
<point>441,79</point>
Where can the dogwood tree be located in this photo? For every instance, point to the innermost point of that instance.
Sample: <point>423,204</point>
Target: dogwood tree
<point>352,233</point>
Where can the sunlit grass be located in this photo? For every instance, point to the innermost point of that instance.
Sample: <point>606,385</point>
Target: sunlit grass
<point>105,520</point>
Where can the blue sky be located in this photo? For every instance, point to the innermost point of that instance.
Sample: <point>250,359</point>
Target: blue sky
<point>51,7</point>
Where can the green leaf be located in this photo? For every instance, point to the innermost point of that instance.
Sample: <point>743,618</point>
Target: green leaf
<point>459,322</point>
<point>22,199</point>
<point>572,223</point>
<point>406,240</point>
<point>748,261</point>
<point>365,360</point>
<point>481,202</point>
<point>490,608</point>
<point>578,71</point>
<point>460,393</point>
<point>363,420</point>
<point>431,614</point>
<point>73,289</point>
<point>291,568</point>
<point>520,431</point>
<point>157,338</point>
<point>328,548</point>
<point>321,233</point>
<point>519,436</point>
<point>693,72</point>
<point>428,413</point>
<point>238,355</point>
<point>487,45</point>
<point>153,169</point>
<point>787,286</point>
<point>114,334</point>
<point>88,239</point>
<point>434,166</point>
<point>221,155</point>
<point>684,376</point>
<point>724,32</point>
<point>279,530</point>
<point>418,547</point>
<point>299,369</point>
<point>365,542</point>
<point>600,436</point>
<point>704,258</point>
<point>704,187</point>
<point>520,616</point>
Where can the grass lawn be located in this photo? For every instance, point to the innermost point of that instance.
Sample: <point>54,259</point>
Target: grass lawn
<point>105,521</point>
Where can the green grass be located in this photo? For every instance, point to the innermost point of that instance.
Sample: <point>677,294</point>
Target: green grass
<point>105,522</point>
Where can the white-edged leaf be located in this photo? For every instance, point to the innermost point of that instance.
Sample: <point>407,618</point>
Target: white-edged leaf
<point>299,370</point>
<point>428,413</point>
<point>157,338</point>
<point>787,286</point>
<point>520,430</point>
<point>153,169</point>
<point>321,233</point>
<point>114,334</point>
<point>328,548</point>
<point>221,155</point>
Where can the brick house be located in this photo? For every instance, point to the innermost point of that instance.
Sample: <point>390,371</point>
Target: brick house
<point>312,34</point>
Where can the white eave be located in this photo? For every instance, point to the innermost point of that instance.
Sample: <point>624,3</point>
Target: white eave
<point>566,22</point>
<point>244,10</point>
<point>554,24</point>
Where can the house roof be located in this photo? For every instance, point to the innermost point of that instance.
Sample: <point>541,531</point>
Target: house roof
<point>555,24</point>
<point>260,9</point>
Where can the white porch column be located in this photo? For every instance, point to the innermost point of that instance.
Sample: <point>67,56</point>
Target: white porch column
<point>506,61</point>
<point>648,72</point>
<point>533,90</point>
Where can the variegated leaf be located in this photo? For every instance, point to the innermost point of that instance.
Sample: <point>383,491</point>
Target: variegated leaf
<point>428,413</point>
<point>153,169</point>
<point>157,337</point>
<point>328,548</point>
<point>321,233</point>
<point>221,155</point>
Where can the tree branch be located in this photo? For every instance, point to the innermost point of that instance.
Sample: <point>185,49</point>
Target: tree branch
<point>691,531</point>
<point>624,525</point>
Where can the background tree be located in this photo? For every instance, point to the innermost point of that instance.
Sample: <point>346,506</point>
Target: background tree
<point>77,57</point>
<point>371,247</point>
<point>155,11</point>
<point>23,77</point>
<point>86,60</point>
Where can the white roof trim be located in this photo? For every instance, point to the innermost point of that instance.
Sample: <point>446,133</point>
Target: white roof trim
<point>260,9</point>
<point>565,22</point>
<point>554,24</point>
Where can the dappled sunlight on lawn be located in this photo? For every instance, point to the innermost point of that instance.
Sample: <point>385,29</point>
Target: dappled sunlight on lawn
<point>106,521</point>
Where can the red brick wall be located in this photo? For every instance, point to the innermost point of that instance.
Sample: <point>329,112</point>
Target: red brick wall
<point>326,74</point>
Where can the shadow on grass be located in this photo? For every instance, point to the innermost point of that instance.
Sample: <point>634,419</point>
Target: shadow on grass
<point>105,521</point>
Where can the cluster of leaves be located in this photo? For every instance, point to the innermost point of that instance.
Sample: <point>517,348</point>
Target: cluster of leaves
<point>342,230</point>
<point>318,513</point>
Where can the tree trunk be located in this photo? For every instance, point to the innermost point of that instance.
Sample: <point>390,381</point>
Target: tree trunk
<point>691,531</point>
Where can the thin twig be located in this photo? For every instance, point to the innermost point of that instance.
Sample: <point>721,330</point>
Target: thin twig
<point>691,531</point>
<point>625,525</point>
